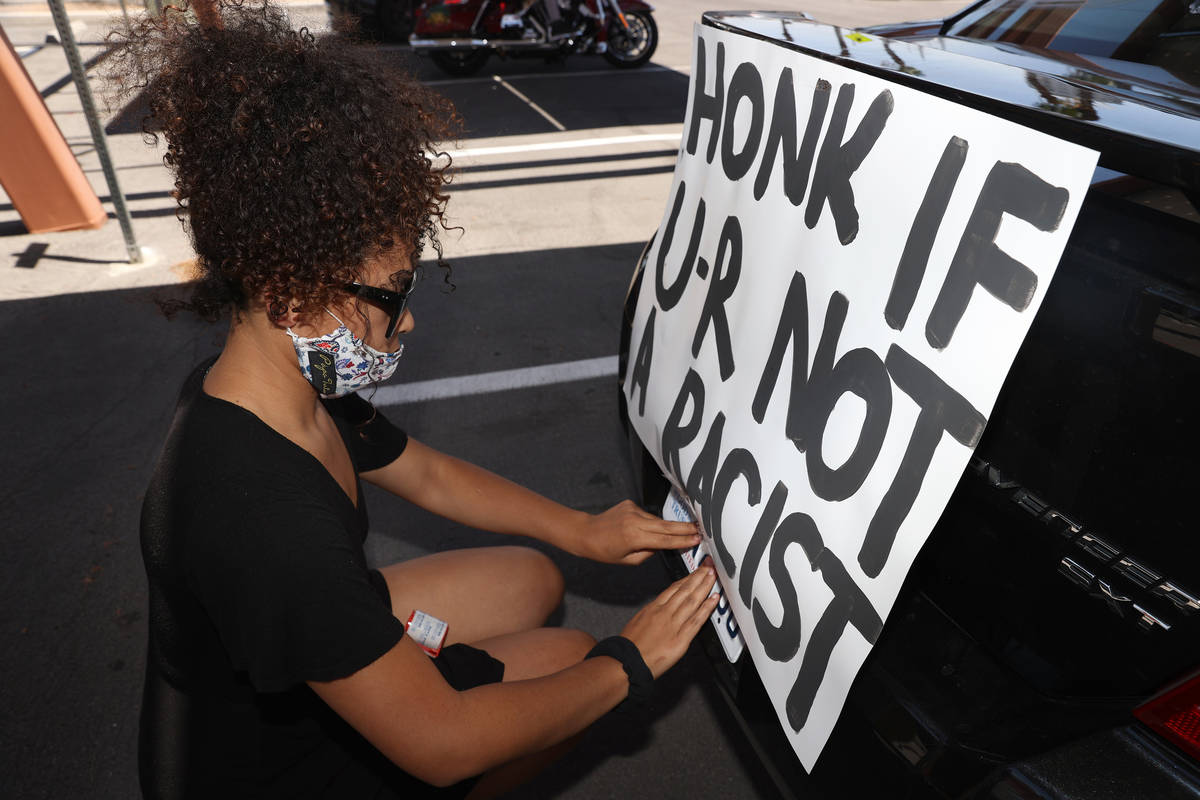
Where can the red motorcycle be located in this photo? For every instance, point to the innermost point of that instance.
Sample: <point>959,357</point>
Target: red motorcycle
<point>460,35</point>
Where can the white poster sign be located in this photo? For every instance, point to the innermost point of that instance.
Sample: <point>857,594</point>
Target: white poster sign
<point>842,278</point>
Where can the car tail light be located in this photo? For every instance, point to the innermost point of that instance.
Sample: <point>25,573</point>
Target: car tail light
<point>1175,715</point>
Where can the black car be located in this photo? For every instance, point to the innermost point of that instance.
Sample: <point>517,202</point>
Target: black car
<point>1046,643</point>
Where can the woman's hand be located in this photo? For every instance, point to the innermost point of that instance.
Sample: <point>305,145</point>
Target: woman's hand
<point>663,629</point>
<point>625,534</point>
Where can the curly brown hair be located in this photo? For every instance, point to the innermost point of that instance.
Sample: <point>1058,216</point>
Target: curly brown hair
<point>295,157</point>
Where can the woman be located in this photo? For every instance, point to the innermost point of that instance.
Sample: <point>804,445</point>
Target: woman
<point>279,664</point>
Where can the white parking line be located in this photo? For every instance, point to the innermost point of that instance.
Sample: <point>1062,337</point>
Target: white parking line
<point>503,380</point>
<point>567,144</point>
<point>530,103</point>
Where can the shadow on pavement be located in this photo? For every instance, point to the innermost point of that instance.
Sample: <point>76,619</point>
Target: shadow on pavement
<point>578,100</point>
<point>620,736</point>
<point>87,409</point>
<point>88,400</point>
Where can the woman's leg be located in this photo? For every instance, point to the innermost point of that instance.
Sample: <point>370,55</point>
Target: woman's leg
<point>541,651</point>
<point>531,654</point>
<point>496,599</point>
<point>481,592</point>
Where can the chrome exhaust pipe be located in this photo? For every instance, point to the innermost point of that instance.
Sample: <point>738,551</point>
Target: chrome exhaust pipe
<point>446,44</point>
<point>471,44</point>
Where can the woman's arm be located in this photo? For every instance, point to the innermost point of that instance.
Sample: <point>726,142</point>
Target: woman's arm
<point>401,704</point>
<point>473,496</point>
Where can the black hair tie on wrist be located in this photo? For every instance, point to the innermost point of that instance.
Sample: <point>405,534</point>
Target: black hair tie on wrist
<point>641,681</point>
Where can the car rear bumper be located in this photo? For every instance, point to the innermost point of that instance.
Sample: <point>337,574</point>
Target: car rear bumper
<point>1115,764</point>
<point>931,715</point>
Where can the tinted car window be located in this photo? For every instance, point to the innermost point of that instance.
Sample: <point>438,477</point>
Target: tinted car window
<point>1159,33</point>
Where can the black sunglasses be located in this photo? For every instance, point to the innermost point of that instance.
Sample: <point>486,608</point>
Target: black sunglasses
<point>393,301</point>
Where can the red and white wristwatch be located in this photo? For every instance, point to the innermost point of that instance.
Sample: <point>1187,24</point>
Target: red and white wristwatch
<point>427,631</point>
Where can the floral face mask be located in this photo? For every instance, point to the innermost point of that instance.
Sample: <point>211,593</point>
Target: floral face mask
<point>339,363</point>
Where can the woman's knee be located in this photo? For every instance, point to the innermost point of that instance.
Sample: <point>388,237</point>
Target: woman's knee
<point>538,652</point>
<point>543,581</point>
<point>468,587</point>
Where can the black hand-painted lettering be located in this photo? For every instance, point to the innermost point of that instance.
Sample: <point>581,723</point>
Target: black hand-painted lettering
<point>720,288</point>
<point>783,133</point>
<point>821,641</point>
<point>849,606</point>
<point>739,463</point>
<point>668,296</point>
<point>805,416</point>
<point>837,161</point>
<point>793,330</point>
<point>943,410</point>
<point>677,434</point>
<point>1009,189</point>
<point>707,106</point>
<point>639,375</point>
<point>704,471</point>
<point>746,84</point>
<point>859,372</point>
<point>911,269</point>
<point>814,393</point>
<point>782,642</point>
<point>863,616</point>
<point>759,540</point>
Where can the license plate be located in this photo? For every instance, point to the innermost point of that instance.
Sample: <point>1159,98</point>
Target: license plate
<point>722,619</point>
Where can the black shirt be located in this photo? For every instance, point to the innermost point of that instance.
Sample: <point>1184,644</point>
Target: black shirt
<point>258,583</point>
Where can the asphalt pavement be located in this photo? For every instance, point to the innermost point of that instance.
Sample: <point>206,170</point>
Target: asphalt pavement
<point>564,173</point>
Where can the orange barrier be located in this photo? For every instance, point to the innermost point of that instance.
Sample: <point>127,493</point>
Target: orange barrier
<point>37,168</point>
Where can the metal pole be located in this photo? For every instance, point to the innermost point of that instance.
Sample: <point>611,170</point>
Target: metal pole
<point>67,37</point>
<point>125,13</point>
